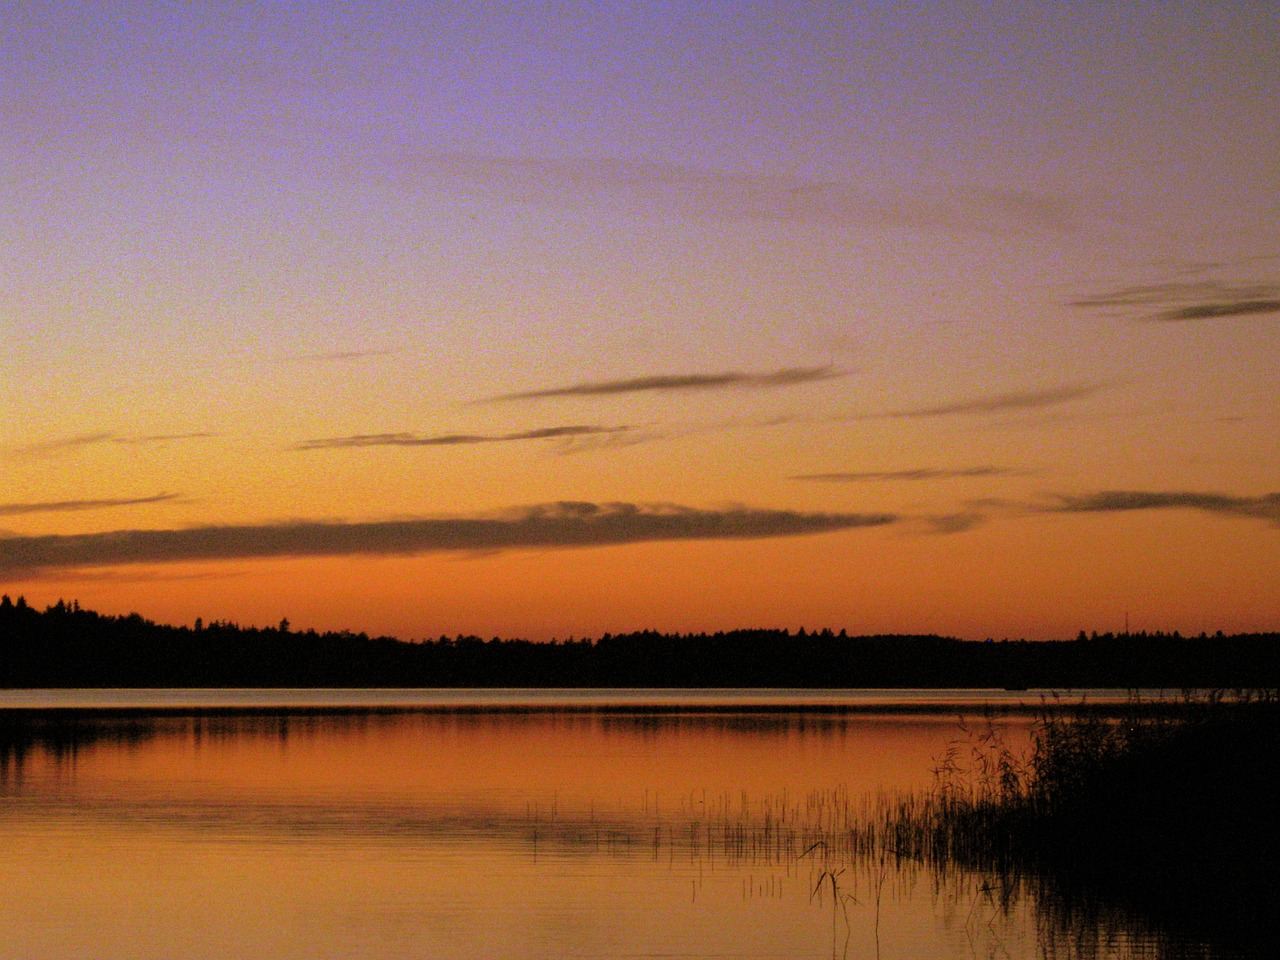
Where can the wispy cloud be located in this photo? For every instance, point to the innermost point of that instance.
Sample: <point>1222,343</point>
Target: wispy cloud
<point>162,438</point>
<point>568,524</point>
<point>786,377</point>
<point>1232,308</point>
<point>959,522</point>
<point>61,445</point>
<point>1266,507</point>
<point>65,443</point>
<point>1196,300</point>
<point>339,356</point>
<point>456,439</point>
<point>993,403</point>
<point>977,512</point>
<point>755,197</point>
<point>131,575</point>
<point>60,506</point>
<point>919,473</point>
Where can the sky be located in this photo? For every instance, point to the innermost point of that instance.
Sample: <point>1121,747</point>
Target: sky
<point>551,320</point>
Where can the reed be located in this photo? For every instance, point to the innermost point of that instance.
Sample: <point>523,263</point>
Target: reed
<point>1157,825</point>
<point>1159,821</point>
<point>1169,817</point>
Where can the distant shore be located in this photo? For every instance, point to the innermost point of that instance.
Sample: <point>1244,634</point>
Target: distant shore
<point>65,646</point>
<point>54,704</point>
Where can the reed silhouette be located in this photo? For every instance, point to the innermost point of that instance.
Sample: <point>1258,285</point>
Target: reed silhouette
<point>1166,818</point>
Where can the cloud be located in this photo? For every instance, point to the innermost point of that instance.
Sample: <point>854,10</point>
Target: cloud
<point>58,506</point>
<point>1209,311</point>
<point>960,522</point>
<point>1184,301</point>
<point>752,197</point>
<point>568,524</point>
<point>162,438</point>
<point>921,473</point>
<point>996,403</point>
<point>92,439</point>
<point>455,439</point>
<point>977,512</point>
<point>131,575</point>
<point>1266,507</point>
<point>66,443</point>
<point>337,356</point>
<point>786,377</point>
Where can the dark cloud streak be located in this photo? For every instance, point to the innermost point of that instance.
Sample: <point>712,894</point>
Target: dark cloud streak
<point>1188,301</point>
<point>787,377</point>
<point>1266,507</point>
<point>162,438</point>
<point>59,506</point>
<point>951,523</point>
<point>920,473</point>
<point>756,198</point>
<point>340,356</point>
<point>67,443</point>
<point>456,439</point>
<point>555,525</point>
<point>1210,311</point>
<point>997,403</point>
<point>93,439</point>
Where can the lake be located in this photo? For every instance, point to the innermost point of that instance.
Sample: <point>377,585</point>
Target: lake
<point>516,824</point>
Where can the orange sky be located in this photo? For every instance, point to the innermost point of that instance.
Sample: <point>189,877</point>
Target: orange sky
<point>550,323</point>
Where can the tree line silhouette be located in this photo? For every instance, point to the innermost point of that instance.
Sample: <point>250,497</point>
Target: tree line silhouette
<point>65,645</point>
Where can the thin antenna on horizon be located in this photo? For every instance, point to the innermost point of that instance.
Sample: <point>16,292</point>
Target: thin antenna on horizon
<point>1126,623</point>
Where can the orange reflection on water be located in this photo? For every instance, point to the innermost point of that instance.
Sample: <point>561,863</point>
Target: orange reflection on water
<point>499,760</point>
<point>439,834</point>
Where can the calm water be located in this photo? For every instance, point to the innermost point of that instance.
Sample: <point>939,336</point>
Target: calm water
<point>399,824</point>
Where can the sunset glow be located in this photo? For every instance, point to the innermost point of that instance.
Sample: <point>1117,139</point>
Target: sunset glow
<point>555,320</point>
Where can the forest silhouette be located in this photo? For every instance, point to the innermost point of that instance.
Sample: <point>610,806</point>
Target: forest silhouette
<point>65,645</point>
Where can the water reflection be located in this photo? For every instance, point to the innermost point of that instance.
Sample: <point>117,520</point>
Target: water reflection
<point>400,834</point>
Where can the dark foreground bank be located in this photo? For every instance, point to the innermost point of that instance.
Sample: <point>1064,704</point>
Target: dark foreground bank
<point>1169,821</point>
